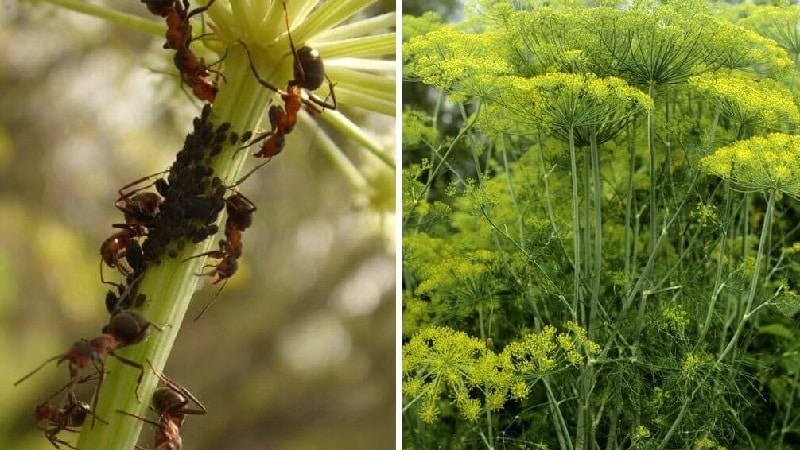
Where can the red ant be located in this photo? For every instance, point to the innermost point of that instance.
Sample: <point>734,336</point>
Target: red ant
<point>194,72</point>
<point>179,30</point>
<point>169,402</point>
<point>177,15</point>
<point>126,328</point>
<point>240,211</point>
<point>52,420</point>
<point>139,208</point>
<point>309,73</point>
<point>113,249</point>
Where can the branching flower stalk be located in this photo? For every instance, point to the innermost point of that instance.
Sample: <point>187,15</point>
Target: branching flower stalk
<point>348,49</point>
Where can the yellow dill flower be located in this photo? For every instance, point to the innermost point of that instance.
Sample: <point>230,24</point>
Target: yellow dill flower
<point>762,163</point>
<point>746,101</point>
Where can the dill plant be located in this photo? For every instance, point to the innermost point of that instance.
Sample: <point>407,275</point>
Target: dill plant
<point>601,254</point>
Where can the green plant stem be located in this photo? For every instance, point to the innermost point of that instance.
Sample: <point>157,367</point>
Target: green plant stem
<point>653,177</point>
<point>751,295</point>
<point>546,179</point>
<point>562,433</point>
<point>785,428</point>
<point>598,238</point>
<point>577,301</point>
<point>151,27</point>
<point>169,286</point>
<point>629,242</point>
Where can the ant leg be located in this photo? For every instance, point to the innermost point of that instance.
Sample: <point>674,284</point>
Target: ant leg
<point>255,72</point>
<point>133,364</point>
<point>182,390</point>
<point>208,305</point>
<point>100,366</point>
<point>331,94</point>
<point>134,183</point>
<point>257,139</point>
<point>297,66</point>
<point>210,273</point>
<point>213,253</point>
<point>143,419</point>
<point>55,441</point>
<point>198,10</point>
<point>324,103</point>
<point>217,72</point>
<point>102,279</point>
<point>61,389</point>
<point>246,176</point>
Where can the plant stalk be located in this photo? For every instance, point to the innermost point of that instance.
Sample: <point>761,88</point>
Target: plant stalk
<point>169,286</point>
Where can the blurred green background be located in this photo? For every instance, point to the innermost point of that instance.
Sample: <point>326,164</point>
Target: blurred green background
<point>299,350</point>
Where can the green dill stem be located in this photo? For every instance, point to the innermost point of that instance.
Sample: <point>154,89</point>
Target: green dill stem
<point>170,285</point>
<point>511,191</point>
<point>785,427</point>
<point>630,246</point>
<point>576,231</point>
<point>546,179</point>
<point>653,176</point>
<point>591,326</point>
<point>150,27</point>
<point>490,442</point>
<point>765,233</point>
<point>562,433</point>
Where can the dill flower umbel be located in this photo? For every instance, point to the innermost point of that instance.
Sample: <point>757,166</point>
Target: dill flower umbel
<point>762,163</point>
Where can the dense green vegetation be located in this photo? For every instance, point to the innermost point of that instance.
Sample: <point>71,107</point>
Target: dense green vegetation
<point>601,227</point>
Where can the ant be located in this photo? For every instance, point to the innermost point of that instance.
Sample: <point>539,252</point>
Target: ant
<point>240,211</point>
<point>194,71</point>
<point>126,328</point>
<point>179,30</point>
<point>113,249</point>
<point>52,420</point>
<point>177,15</point>
<point>309,73</point>
<point>169,402</point>
<point>140,208</point>
<point>309,70</point>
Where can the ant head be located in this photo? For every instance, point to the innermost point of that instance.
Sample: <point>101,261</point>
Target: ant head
<point>166,400</point>
<point>44,411</point>
<point>127,327</point>
<point>79,413</point>
<point>112,300</point>
<point>158,7</point>
<point>226,268</point>
<point>145,204</point>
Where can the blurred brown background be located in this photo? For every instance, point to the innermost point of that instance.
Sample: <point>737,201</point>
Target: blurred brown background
<point>298,352</point>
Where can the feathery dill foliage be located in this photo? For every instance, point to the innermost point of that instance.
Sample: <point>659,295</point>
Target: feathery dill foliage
<point>599,253</point>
